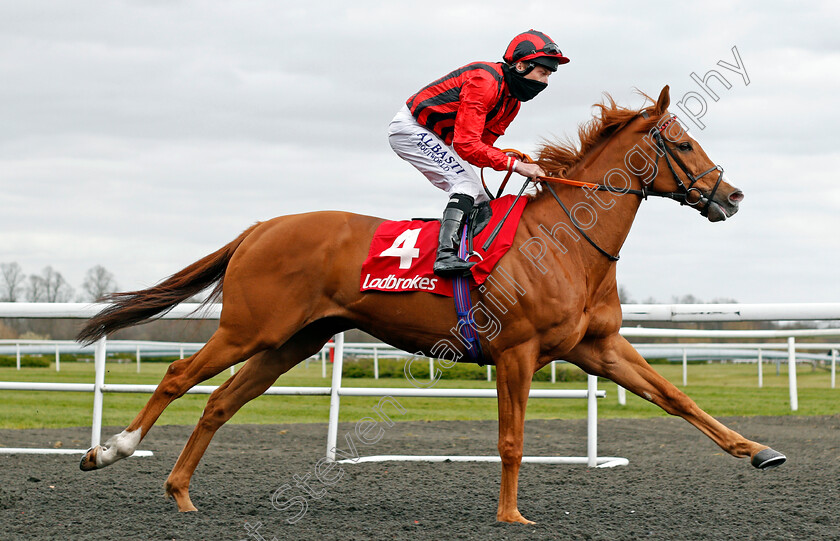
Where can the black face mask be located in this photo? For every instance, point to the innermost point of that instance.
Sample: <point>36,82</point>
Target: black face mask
<point>521,88</point>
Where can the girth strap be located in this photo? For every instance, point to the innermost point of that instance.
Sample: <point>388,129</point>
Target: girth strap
<point>463,304</point>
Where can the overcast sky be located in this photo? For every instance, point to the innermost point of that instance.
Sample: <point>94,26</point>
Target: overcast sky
<point>143,135</point>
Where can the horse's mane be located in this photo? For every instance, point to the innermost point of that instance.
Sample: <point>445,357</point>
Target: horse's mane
<point>559,158</point>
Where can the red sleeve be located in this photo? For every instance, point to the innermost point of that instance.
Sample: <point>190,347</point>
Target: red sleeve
<point>501,126</point>
<point>471,141</point>
<point>489,138</point>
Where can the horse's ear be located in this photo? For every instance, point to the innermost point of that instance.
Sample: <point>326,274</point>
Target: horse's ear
<point>663,101</point>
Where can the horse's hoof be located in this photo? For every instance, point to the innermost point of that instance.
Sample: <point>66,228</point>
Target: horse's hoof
<point>517,520</point>
<point>767,459</point>
<point>88,461</point>
<point>514,518</point>
<point>181,497</point>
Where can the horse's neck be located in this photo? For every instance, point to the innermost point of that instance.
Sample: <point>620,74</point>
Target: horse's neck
<point>604,216</point>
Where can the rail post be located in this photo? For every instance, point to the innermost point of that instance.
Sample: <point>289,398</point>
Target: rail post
<point>375,363</point>
<point>98,381</point>
<point>794,398</point>
<point>760,371</point>
<point>592,421</point>
<point>338,364</point>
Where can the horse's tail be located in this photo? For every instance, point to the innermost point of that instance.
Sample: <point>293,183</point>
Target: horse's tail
<point>133,307</point>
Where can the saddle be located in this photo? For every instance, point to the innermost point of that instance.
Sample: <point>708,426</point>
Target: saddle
<point>402,253</point>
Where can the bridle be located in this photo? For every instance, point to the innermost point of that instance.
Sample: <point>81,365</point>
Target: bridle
<point>682,194</point>
<point>683,190</point>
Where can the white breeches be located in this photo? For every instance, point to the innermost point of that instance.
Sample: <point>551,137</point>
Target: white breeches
<point>431,156</point>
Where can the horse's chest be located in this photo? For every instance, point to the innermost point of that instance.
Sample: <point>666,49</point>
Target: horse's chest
<point>567,331</point>
<point>603,320</point>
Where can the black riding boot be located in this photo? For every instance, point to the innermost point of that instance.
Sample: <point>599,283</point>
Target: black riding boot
<point>448,263</point>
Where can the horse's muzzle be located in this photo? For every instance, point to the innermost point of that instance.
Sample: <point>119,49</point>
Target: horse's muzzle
<point>722,206</point>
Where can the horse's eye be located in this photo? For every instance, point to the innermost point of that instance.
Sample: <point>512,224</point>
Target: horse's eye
<point>685,145</point>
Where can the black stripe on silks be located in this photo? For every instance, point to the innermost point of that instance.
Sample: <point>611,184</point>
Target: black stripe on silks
<point>446,132</point>
<point>448,96</point>
<point>490,68</point>
<point>499,80</point>
<point>432,97</point>
<point>448,76</point>
<point>457,73</point>
<point>436,118</point>
<point>495,110</point>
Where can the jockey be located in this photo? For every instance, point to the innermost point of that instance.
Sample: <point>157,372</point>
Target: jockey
<point>452,123</point>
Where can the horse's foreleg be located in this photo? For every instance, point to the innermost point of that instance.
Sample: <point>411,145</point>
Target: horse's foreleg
<point>257,375</point>
<point>617,360</point>
<point>218,354</point>
<point>514,371</point>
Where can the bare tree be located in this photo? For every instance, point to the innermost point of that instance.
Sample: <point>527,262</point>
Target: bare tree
<point>11,282</point>
<point>686,299</point>
<point>98,283</point>
<point>35,291</point>
<point>50,286</point>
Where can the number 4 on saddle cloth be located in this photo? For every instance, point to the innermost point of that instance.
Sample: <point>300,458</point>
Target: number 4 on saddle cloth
<point>402,254</point>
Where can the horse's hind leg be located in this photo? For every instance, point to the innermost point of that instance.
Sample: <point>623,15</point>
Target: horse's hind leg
<point>220,352</point>
<point>258,374</point>
<point>618,360</point>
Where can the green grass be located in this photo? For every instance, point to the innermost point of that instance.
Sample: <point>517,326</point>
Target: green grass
<point>720,389</point>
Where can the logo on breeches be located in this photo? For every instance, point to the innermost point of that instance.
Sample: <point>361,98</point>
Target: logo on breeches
<point>438,153</point>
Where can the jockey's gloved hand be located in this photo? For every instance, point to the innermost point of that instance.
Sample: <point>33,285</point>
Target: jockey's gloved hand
<point>530,170</point>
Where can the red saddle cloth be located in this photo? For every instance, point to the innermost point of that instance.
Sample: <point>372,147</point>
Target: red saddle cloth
<point>402,253</point>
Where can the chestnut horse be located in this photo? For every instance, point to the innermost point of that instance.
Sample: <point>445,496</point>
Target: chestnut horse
<point>291,283</point>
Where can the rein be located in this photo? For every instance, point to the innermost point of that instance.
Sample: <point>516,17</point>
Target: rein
<point>681,195</point>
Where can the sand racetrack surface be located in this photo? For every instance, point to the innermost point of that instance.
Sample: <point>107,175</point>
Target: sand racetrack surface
<point>678,486</point>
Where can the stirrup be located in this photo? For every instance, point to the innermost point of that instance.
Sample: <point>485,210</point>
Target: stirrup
<point>452,265</point>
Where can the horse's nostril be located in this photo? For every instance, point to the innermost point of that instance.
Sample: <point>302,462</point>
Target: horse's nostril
<point>736,196</point>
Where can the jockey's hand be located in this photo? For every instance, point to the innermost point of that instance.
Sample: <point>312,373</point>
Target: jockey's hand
<point>529,170</point>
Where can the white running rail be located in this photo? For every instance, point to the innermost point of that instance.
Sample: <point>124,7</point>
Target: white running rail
<point>699,312</point>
